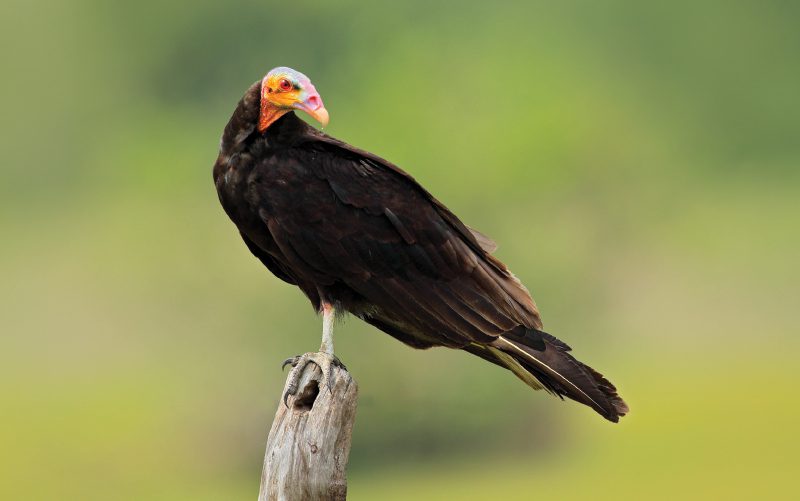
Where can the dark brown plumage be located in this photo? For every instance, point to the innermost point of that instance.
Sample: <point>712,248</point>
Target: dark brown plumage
<point>353,230</point>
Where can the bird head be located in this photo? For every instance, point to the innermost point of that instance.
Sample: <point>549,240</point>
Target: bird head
<point>283,90</point>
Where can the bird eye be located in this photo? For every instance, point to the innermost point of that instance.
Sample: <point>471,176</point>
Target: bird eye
<point>285,84</point>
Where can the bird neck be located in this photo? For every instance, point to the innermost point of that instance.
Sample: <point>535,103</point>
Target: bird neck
<point>269,113</point>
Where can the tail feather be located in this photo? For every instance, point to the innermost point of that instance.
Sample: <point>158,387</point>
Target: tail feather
<point>548,365</point>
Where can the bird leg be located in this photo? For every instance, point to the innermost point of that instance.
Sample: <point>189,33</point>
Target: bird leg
<point>328,315</point>
<point>324,358</point>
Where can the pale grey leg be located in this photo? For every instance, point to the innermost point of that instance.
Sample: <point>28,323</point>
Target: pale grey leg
<point>328,315</point>
<point>324,358</point>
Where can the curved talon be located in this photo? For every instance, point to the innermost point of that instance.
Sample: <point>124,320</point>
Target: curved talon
<point>325,362</point>
<point>338,362</point>
<point>291,360</point>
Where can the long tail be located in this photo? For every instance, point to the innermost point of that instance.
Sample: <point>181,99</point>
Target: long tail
<point>543,362</point>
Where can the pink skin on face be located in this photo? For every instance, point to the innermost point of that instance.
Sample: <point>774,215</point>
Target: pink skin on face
<point>305,97</point>
<point>311,102</point>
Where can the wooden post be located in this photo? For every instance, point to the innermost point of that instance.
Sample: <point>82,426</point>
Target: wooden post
<point>309,442</point>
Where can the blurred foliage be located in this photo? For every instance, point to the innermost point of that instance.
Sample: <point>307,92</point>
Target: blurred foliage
<point>637,162</point>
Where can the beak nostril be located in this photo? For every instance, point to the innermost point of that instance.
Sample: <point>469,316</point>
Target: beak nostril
<point>313,102</point>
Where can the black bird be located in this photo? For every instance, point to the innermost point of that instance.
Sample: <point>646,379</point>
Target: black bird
<point>357,234</point>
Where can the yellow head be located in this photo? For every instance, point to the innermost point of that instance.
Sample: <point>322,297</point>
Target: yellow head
<point>284,89</point>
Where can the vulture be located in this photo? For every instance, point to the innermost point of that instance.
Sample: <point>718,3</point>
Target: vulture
<point>359,235</point>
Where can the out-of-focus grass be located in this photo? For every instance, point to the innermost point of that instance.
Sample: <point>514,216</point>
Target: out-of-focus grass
<point>721,436</point>
<point>636,162</point>
<point>656,456</point>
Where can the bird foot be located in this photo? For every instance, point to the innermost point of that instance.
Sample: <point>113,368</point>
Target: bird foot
<point>325,361</point>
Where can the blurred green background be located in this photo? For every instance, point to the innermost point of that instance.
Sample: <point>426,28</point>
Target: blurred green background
<point>638,164</point>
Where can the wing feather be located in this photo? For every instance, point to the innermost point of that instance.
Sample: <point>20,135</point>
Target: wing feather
<point>374,229</point>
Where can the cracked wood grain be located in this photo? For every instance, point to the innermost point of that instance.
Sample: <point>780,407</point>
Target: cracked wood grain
<point>309,442</point>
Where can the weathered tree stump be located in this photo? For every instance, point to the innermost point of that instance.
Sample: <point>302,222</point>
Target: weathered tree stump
<point>309,442</point>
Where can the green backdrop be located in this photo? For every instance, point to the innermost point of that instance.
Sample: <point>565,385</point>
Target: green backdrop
<point>637,163</point>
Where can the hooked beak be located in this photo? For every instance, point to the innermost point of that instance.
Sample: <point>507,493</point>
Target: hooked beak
<point>314,107</point>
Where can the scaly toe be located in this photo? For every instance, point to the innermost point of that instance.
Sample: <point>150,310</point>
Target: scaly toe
<point>324,361</point>
<point>337,362</point>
